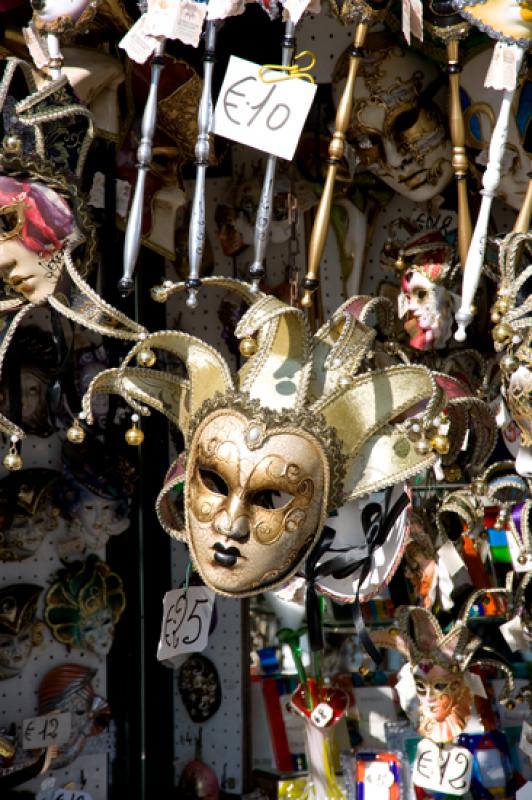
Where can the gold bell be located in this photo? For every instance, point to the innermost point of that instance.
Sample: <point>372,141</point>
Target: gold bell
<point>12,144</point>
<point>146,357</point>
<point>248,347</point>
<point>12,461</point>
<point>495,316</point>
<point>363,670</point>
<point>441,444</point>
<point>522,559</point>
<point>75,434</point>
<point>422,447</point>
<point>134,435</point>
<point>502,305</point>
<point>509,363</point>
<point>502,333</point>
<point>400,262</point>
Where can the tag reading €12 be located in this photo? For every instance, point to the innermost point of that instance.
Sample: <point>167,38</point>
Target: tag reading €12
<point>445,769</point>
<point>266,116</point>
<point>70,794</point>
<point>186,619</point>
<point>45,731</point>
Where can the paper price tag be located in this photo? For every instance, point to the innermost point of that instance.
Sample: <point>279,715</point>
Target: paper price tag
<point>322,715</point>
<point>186,619</point>
<point>378,779</point>
<point>52,729</point>
<point>123,193</point>
<point>36,45</point>
<point>266,116</point>
<point>513,634</point>
<point>69,794</point>
<point>137,43</point>
<point>503,68</point>
<point>221,9</point>
<point>446,769</point>
<point>525,743</point>
<point>525,792</point>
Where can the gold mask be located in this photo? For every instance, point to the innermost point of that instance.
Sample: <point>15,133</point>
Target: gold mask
<point>298,431</point>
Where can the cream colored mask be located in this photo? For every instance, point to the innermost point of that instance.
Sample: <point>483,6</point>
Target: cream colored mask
<point>396,131</point>
<point>298,431</point>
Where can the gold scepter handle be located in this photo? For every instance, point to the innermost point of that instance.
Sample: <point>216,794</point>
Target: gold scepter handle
<point>320,227</point>
<point>459,158</point>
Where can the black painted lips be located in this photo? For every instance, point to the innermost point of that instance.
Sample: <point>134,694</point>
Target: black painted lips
<point>225,556</point>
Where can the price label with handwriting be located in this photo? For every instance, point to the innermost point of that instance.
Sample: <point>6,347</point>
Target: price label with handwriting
<point>444,769</point>
<point>186,620</point>
<point>266,116</point>
<point>69,794</point>
<point>52,729</point>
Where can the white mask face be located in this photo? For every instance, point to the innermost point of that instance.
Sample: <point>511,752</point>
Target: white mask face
<point>480,116</point>
<point>397,133</point>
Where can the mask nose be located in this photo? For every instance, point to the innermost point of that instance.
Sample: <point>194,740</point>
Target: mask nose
<point>233,521</point>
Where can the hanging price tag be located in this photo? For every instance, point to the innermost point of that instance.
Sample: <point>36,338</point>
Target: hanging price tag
<point>186,620</point>
<point>322,715</point>
<point>378,780</point>
<point>504,66</point>
<point>69,794</point>
<point>266,116</point>
<point>443,769</point>
<point>53,729</point>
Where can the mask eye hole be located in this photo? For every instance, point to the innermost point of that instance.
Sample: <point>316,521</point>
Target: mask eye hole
<point>270,498</point>
<point>213,481</point>
<point>420,294</point>
<point>440,687</point>
<point>405,121</point>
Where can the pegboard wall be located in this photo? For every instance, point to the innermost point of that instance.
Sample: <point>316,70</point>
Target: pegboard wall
<point>18,695</point>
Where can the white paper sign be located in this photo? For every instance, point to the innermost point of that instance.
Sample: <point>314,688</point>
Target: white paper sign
<point>186,619</point>
<point>266,116</point>
<point>442,769</point>
<point>322,714</point>
<point>525,743</point>
<point>52,729</point>
<point>503,68</point>
<point>525,792</point>
<point>378,778</point>
<point>69,794</point>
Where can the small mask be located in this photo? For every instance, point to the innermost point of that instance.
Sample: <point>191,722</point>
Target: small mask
<point>93,499</point>
<point>396,131</point>
<point>519,399</point>
<point>83,605</point>
<point>27,512</point>
<point>19,630</point>
<point>58,16</point>
<point>199,687</point>
<point>68,688</point>
<point>439,665</point>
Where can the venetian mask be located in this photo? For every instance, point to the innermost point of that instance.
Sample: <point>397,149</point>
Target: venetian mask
<point>93,499</point>
<point>68,688</point>
<point>62,15</point>
<point>199,686</point>
<point>439,665</point>
<point>19,631</point>
<point>396,130</point>
<point>27,512</point>
<point>480,107</point>
<point>84,604</point>
<point>272,449</point>
<point>428,308</point>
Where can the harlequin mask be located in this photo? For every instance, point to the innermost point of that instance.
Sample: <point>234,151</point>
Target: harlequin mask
<point>396,131</point>
<point>27,514</point>
<point>84,604</point>
<point>270,451</point>
<point>19,631</point>
<point>69,688</point>
<point>425,300</point>
<point>439,663</point>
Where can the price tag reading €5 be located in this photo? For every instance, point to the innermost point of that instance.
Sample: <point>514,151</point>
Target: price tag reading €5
<point>53,729</point>
<point>267,116</point>
<point>442,769</point>
<point>186,619</point>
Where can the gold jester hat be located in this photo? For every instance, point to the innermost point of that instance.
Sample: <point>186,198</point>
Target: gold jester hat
<point>271,449</point>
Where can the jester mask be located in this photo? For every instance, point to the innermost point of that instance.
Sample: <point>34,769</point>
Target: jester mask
<point>297,432</point>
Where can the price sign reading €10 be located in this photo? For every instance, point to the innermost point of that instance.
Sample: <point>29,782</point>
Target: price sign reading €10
<point>39,732</point>
<point>186,620</point>
<point>266,116</point>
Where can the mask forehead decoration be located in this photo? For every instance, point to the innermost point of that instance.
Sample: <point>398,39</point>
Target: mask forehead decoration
<point>298,431</point>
